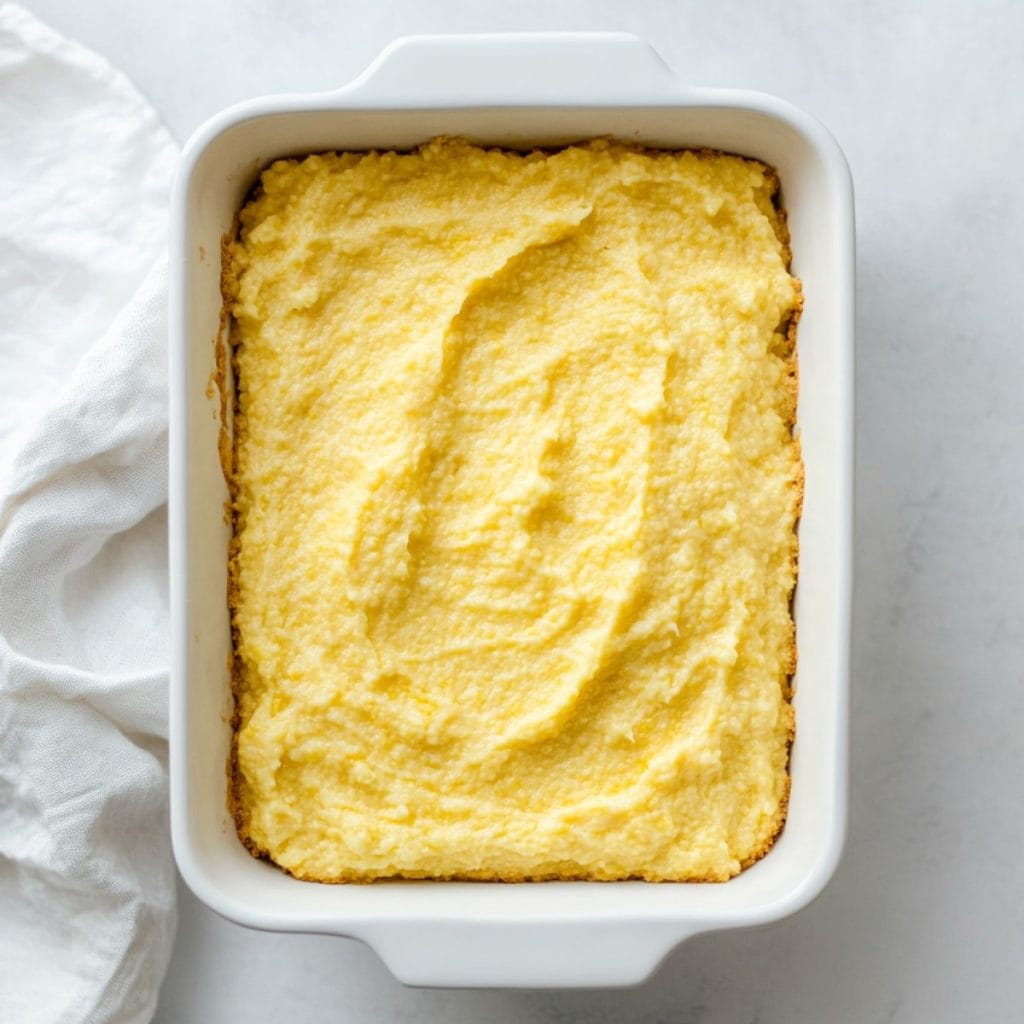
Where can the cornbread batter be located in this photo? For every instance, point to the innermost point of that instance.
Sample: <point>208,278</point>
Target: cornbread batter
<point>515,495</point>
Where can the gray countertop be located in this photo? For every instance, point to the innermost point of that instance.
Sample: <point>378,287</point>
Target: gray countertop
<point>924,920</point>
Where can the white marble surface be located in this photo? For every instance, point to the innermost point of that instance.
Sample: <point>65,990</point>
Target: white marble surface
<point>925,918</point>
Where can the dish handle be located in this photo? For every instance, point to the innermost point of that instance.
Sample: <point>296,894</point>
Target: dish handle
<point>524,954</point>
<point>517,69</point>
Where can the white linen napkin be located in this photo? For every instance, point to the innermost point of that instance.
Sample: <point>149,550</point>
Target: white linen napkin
<point>86,876</point>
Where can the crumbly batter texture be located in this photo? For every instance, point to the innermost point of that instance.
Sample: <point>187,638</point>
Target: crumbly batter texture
<point>515,493</point>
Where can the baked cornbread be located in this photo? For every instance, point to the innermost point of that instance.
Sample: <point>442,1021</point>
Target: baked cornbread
<point>515,491</point>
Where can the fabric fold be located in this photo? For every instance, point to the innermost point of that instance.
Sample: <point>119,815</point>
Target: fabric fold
<point>87,885</point>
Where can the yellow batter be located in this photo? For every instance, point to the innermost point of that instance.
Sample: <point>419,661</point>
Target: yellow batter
<point>515,499</point>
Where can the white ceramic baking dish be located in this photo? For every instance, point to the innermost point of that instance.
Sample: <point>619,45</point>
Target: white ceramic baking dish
<point>517,91</point>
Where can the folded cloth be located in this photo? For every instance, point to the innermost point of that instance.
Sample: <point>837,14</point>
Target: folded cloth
<point>86,876</point>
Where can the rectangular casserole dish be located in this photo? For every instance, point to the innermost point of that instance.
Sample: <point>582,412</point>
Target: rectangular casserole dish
<point>518,91</point>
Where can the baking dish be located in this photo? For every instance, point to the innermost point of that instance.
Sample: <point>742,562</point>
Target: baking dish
<point>518,91</point>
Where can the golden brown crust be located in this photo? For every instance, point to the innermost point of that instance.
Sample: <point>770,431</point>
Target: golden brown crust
<point>229,438</point>
<point>228,442</point>
<point>789,330</point>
